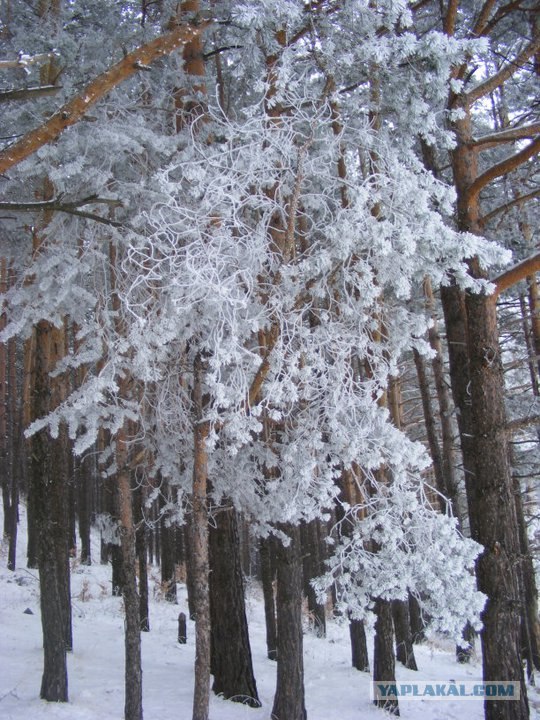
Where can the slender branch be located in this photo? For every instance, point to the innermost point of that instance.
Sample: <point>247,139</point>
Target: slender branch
<point>449,22</point>
<point>511,203</point>
<point>511,67</point>
<point>520,423</point>
<point>501,13</point>
<point>518,272</point>
<point>507,135</point>
<point>483,17</point>
<point>28,93</point>
<point>503,168</point>
<point>78,106</point>
<point>71,208</point>
<point>218,51</point>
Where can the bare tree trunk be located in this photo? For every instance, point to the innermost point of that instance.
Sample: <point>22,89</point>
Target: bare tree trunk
<point>429,421</point>
<point>199,548</point>
<point>289,697</point>
<point>312,567</point>
<point>133,709</point>
<point>141,534</point>
<point>168,555</point>
<point>231,664</point>
<point>359,650</point>
<point>404,641</point>
<point>384,661</point>
<point>266,549</point>
<point>48,493</point>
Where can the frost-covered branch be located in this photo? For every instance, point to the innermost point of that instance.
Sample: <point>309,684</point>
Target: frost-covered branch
<point>70,113</point>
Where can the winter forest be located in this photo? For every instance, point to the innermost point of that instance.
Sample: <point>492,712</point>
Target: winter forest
<point>270,324</point>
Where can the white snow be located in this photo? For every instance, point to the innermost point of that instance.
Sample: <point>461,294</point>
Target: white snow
<point>334,690</point>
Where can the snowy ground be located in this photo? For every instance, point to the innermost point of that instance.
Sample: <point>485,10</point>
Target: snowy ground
<point>334,691</point>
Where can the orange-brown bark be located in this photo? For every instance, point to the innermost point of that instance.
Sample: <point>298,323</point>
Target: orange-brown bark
<point>70,113</point>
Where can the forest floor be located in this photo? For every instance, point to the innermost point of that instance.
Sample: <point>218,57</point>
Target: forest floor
<point>334,690</point>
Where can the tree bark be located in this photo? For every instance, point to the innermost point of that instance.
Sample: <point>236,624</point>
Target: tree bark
<point>359,650</point>
<point>231,663</point>
<point>404,641</point>
<point>266,549</point>
<point>199,548</point>
<point>49,505</point>
<point>133,709</point>
<point>312,567</point>
<point>168,557</point>
<point>141,534</point>
<point>289,697</point>
<point>384,661</point>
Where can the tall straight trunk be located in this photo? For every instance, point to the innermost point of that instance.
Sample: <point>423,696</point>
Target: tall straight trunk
<point>199,550</point>
<point>266,550</point>
<point>404,639</point>
<point>231,663</point>
<point>531,624</point>
<point>492,510</point>
<point>534,306</point>
<point>29,355</point>
<point>168,556</point>
<point>16,461</point>
<point>188,546</point>
<point>529,343</point>
<point>141,543</point>
<point>359,650</point>
<point>133,709</point>
<point>84,504</point>
<point>289,701</point>
<point>430,424</point>
<point>312,567</point>
<point>384,661</point>
<point>478,386</point>
<point>48,498</point>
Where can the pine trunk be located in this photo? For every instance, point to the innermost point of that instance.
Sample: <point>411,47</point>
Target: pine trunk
<point>49,511</point>
<point>199,551</point>
<point>231,664</point>
<point>384,661</point>
<point>359,650</point>
<point>312,567</point>
<point>133,709</point>
<point>266,549</point>
<point>141,535</point>
<point>404,641</point>
<point>168,557</point>
<point>289,697</point>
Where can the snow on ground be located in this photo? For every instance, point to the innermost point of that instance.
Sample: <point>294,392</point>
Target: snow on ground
<point>334,690</point>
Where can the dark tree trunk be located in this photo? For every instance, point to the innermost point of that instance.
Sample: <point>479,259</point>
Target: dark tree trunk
<point>168,559</point>
<point>190,586</point>
<point>384,662</point>
<point>132,629</point>
<point>199,549</point>
<point>268,574</point>
<point>231,663</point>
<point>312,567</point>
<point>492,511</point>
<point>530,623</point>
<point>359,650</point>
<point>115,552</point>
<point>431,426</point>
<point>141,535</point>
<point>289,697</point>
<point>48,493</point>
<point>404,641</point>
<point>84,505</point>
